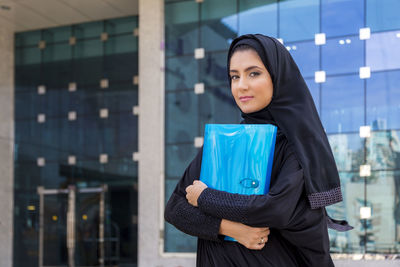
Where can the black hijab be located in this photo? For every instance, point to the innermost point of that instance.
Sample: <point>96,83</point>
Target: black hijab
<point>292,109</point>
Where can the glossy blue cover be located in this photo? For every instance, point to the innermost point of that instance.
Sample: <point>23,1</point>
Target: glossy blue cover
<point>237,158</point>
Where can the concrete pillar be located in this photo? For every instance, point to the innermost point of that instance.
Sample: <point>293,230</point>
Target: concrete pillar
<point>151,139</point>
<point>6,143</point>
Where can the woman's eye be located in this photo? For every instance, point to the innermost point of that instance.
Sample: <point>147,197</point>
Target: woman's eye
<point>234,77</point>
<point>253,74</point>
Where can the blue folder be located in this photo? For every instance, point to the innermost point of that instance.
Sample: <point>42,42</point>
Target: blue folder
<point>237,158</point>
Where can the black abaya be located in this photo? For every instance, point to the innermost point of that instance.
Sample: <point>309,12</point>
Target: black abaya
<point>298,236</point>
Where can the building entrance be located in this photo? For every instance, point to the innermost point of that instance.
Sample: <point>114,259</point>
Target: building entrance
<point>72,228</point>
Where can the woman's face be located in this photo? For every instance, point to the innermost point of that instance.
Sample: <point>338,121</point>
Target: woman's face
<point>251,84</point>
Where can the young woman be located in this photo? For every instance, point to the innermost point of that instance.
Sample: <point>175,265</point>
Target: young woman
<point>288,226</point>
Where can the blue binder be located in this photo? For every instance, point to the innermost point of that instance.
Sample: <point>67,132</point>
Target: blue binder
<point>237,158</point>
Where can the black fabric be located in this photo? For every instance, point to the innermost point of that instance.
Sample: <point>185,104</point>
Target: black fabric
<point>293,110</point>
<point>298,236</point>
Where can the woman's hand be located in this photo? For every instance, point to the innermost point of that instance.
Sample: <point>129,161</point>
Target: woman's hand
<point>193,192</point>
<point>250,237</point>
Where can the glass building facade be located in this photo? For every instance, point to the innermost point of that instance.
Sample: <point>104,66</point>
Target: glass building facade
<point>348,53</point>
<point>75,190</point>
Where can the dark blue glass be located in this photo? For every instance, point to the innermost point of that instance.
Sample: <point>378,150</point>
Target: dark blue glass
<point>181,27</point>
<point>31,38</point>
<point>382,51</point>
<point>181,116</point>
<point>213,69</point>
<point>181,73</point>
<point>219,24</point>
<point>119,26</point>
<point>258,16</point>
<point>57,52</point>
<point>383,100</point>
<point>343,55</point>
<point>306,56</point>
<point>90,30</point>
<point>217,105</point>
<point>383,15</point>
<point>298,20</point>
<point>178,158</point>
<point>342,17</point>
<point>342,104</point>
<point>57,35</point>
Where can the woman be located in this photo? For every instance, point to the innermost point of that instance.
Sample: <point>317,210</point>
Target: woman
<point>287,226</point>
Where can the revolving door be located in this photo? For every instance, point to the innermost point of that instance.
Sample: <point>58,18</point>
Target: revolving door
<point>72,228</point>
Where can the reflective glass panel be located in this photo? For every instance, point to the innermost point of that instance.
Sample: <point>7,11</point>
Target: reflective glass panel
<point>382,51</point>
<point>258,16</point>
<point>342,17</point>
<point>343,55</point>
<point>306,56</point>
<point>181,27</point>
<point>383,100</point>
<point>342,104</point>
<point>298,20</point>
<point>219,24</point>
<point>383,15</point>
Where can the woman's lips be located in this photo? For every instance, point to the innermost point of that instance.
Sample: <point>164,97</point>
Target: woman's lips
<point>245,98</point>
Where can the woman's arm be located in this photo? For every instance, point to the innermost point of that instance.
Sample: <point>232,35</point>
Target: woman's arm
<point>274,209</point>
<point>193,221</point>
<point>184,216</point>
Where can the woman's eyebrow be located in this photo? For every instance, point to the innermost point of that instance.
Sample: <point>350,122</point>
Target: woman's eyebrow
<point>247,69</point>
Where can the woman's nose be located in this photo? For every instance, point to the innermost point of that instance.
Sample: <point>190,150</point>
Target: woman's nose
<point>243,84</point>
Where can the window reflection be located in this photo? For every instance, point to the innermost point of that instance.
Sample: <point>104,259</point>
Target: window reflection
<point>342,17</point>
<point>258,16</point>
<point>343,55</point>
<point>342,104</point>
<point>382,51</point>
<point>383,100</point>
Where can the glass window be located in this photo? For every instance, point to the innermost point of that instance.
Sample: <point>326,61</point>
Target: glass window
<point>219,24</point>
<point>383,150</point>
<point>298,20</point>
<point>353,198</point>
<point>91,30</point>
<point>88,48</point>
<point>57,52</point>
<point>181,27</point>
<point>383,100</point>
<point>181,73</point>
<point>217,105</point>
<point>342,107</point>
<point>178,158</point>
<point>342,17</point>
<point>121,44</point>
<point>383,15</point>
<point>213,69</point>
<point>30,38</point>
<point>58,34</point>
<point>382,51</point>
<point>121,25</point>
<point>383,191</point>
<point>181,116</point>
<point>343,55</point>
<point>306,56</point>
<point>348,150</point>
<point>29,55</point>
<point>258,16</point>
